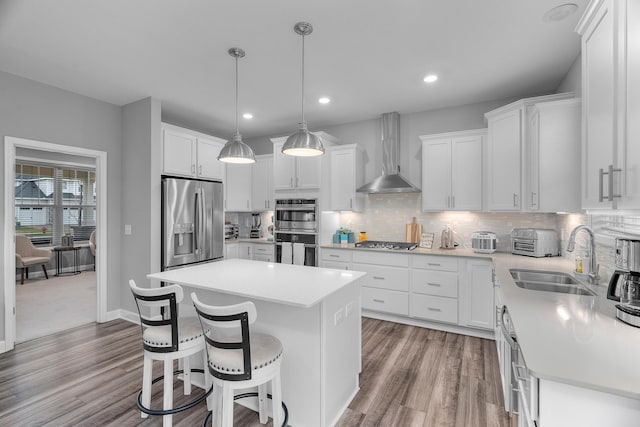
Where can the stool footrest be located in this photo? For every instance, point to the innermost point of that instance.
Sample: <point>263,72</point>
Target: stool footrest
<point>251,394</point>
<point>173,410</point>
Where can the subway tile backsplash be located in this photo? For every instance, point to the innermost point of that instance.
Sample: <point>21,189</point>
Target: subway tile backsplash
<point>385,216</point>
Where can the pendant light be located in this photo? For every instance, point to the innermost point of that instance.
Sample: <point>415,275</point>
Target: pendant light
<point>303,142</point>
<point>236,151</point>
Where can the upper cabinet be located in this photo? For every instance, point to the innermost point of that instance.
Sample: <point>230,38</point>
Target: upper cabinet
<point>262,187</point>
<point>553,157</point>
<point>508,136</point>
<point>191,154</point>
<point>611,104</point>
<point>293,174</point>
<point>347,174</point>
<point>237,188</point>
<point>452,171</point>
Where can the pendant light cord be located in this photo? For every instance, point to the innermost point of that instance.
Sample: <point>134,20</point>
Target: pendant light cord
<point>237,132</point>
<point>302,79</point>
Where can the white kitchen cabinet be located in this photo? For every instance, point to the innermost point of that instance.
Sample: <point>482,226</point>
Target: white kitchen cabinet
<point>611,92</point>
<point>231,249</point>
<point>191,154</point>
<point>245,250</point>
<point>237,188</point>
<point>476,300</point>
<point>262,184</point>
<point>335,258</point>
<point>292,173</point>
<point>385,288</point>
<point>506,153</point>
<point>347,174</point>
<point>434,288</point>
<point>552,165</point>
<point>263,252</point>
<point>452,171</point>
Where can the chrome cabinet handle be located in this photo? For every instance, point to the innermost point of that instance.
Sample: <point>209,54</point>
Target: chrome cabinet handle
<point>448,201</point>
<point>291,182</point>
<point>378,277</point>
<point>247,203</point>
<point>533,199</point>
<point>200,170</point>
<point>193,168</point>
<point>351,203</point>
<point>611,193</point>
<point>453,202</point>
<point>515,200</point>
<point>433,309</point>
<point>334,256</point>
<point>601,185</point>
<point>378,300</point>
<point>433,284</point>
<point>435,264</point>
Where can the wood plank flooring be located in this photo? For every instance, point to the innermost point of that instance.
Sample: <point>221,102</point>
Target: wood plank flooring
<point>90,376</point>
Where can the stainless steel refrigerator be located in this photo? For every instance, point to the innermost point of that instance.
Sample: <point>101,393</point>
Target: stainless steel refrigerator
<point>192,222</point>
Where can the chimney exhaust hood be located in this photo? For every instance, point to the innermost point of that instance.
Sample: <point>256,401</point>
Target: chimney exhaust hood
<point>390,181</point>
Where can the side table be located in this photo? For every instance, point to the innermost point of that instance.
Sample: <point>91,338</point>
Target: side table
<point>58,250</point>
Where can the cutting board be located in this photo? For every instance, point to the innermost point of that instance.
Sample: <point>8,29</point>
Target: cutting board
<point>414,232</point>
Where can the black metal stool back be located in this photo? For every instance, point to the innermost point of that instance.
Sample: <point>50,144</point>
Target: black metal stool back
<point>150,299</point>
<point>220,326</point>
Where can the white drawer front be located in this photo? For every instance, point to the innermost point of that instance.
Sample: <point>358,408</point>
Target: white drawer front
<point>393,278</point>
<point>387,301</point>
<point>335,264</point>
<point>381,258</point>
<point>441,309</point>
<point>442,263</point>
<point>261,257</point>
<point>336,255</point>
<point>439,283</point>
<point>263,249</point>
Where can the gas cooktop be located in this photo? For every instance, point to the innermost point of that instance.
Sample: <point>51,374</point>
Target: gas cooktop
<point>395,246</point>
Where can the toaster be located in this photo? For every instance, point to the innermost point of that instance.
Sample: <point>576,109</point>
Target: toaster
<point>535,242</point>
<point>484,242</point>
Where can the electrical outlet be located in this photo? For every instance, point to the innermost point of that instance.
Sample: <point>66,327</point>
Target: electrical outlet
<point>127,229</point>
<point>338,316</point>
<point>348,309</point>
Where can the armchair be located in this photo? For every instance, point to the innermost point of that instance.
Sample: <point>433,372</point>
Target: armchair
<point>28,255</point>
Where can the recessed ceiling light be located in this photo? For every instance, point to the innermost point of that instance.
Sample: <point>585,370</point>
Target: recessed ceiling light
<point>559,13</point>
<point>324,100</point>
<point>430,78</point>
<point>247,116</point>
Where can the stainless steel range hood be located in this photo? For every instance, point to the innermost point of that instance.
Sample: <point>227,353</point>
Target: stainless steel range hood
<point>391,181</point>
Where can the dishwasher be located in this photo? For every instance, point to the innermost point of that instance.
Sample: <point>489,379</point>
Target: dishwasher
<point>507,347</point>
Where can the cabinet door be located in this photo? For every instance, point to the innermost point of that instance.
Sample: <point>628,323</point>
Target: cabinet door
<point>532,194</point>
<point>231,250</point>
<point>209,167</point>
<point>504,152</point>
<point>343,187</point>
<point>284,168</point>
<point>466,173</point>
<point>629,152</point>
<point>598,111</point>
<point>262,187</point>
<point>245,251</point>
<point>308,172</point>
<point>238,188</point>
<point>436,175</point>
<point>476,295</point>
<point>178,153</point>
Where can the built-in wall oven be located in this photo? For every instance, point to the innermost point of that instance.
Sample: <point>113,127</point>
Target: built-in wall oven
<point>296,231</point>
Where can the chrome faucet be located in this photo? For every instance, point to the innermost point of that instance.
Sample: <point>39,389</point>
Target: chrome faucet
<point>594,277</point>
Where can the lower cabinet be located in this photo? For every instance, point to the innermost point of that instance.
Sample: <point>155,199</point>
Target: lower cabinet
<point>444,289</point>
<point>247,250</point>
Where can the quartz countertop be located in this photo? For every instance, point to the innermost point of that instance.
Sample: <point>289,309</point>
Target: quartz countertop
<point>262,240</point>
<point>572,339</point>
<point>293,285</point>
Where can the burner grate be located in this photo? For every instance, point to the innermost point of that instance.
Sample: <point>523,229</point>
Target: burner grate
<point>394,246</point>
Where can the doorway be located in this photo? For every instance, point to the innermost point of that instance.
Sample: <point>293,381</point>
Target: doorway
<point>99,158</point>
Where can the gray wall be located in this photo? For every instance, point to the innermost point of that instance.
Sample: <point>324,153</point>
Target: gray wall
<point>573,80</point>
<point>32,110</point>
<point>140,194</point>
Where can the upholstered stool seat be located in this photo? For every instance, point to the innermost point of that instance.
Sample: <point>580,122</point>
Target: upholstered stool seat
<point>167,338</point>
<point>238,359</point>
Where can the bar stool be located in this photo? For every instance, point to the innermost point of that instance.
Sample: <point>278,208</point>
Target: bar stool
<point>166,339</point>
<point>239,360</point>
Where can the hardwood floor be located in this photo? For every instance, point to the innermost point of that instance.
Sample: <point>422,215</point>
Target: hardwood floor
<point>90,376</point>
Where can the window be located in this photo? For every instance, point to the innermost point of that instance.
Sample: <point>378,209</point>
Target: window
<point>54,200</point>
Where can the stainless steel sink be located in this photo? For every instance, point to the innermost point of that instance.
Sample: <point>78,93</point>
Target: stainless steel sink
<point>549,281</point>
<point>543,276</point>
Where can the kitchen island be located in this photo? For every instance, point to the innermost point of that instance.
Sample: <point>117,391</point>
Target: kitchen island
<point>315,312</point>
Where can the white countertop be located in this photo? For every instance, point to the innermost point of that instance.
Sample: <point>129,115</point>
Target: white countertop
<point>572,339</point>
<point>262,240</point>
<point>294,285</point>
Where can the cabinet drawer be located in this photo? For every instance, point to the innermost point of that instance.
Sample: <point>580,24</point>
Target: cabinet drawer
<point>261,257</point>
<point>262,249</point>
<point>429,307</point>
<point>335,264</point>
<point>336,255</point>
<point>381,258</point>
<point>393,278</point>
<point>438,283</point>
<point>442,263</point>
<point>387,301</point>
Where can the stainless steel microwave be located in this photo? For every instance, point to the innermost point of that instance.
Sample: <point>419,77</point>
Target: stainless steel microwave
<point>296,215</point>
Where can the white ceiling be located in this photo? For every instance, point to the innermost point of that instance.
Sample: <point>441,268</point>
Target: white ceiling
<point>369,56</point>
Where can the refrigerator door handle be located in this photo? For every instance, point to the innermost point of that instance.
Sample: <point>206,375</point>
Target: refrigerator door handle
<point>196,221</point>
<point>201,226</point>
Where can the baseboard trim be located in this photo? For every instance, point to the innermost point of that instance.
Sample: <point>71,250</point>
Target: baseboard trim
<point>129,316</point>
<point>479,333</point>
<point>3,347</point>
